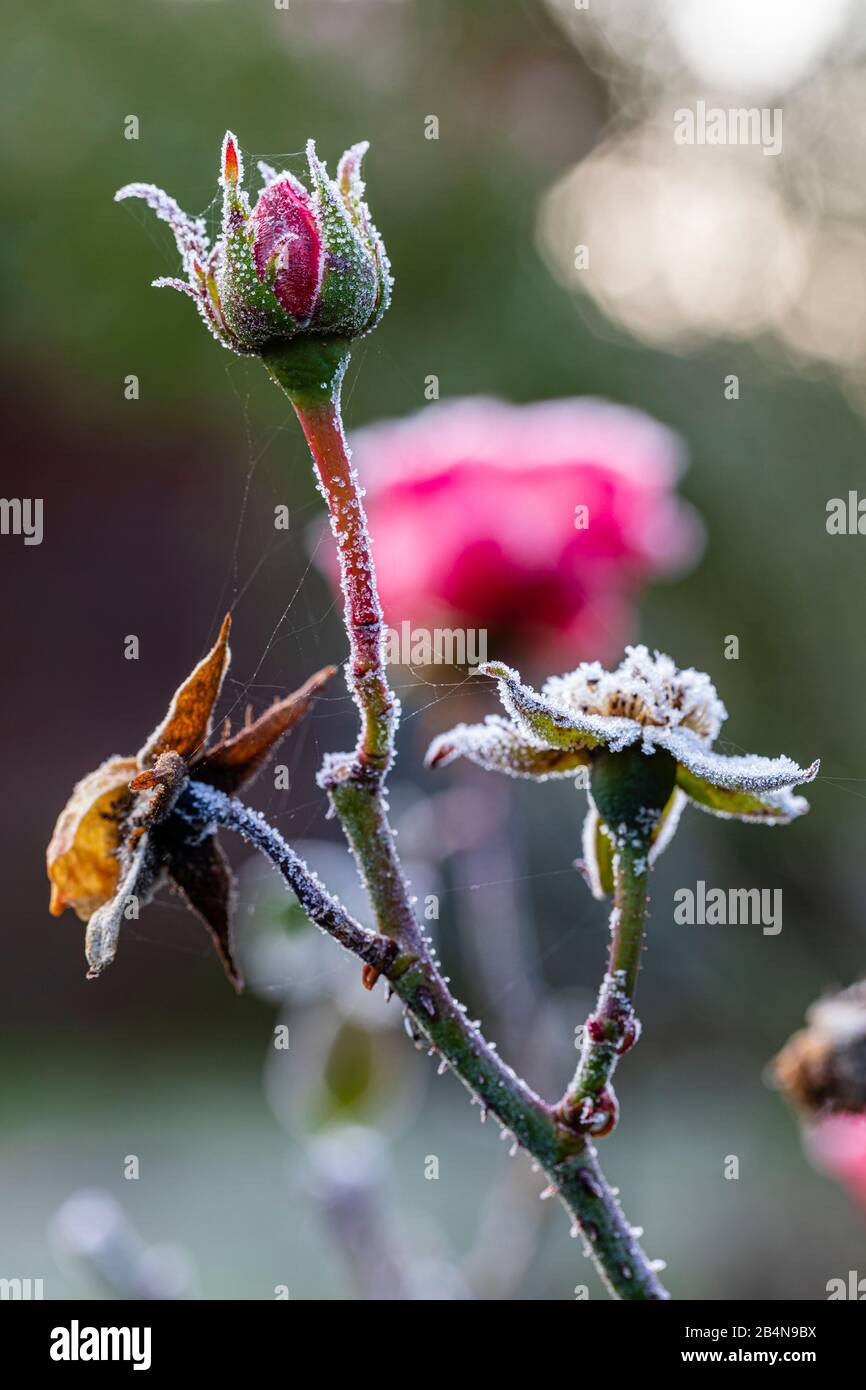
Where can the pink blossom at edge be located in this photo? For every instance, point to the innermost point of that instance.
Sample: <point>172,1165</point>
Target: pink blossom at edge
<point>837,1145</point>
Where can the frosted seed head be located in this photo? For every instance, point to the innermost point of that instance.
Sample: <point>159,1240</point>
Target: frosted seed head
<point>645,688</point>
<point>648,709</point>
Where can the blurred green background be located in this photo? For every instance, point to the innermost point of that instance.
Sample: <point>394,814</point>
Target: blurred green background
<point>159,515</point>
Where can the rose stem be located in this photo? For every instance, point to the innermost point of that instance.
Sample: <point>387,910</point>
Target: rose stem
<point>566,1156</point>
<point>612,1028</point>
<point>310,371</point>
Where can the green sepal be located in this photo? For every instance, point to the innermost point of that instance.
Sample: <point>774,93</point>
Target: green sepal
<point>349,290</point>
<point>604,852</point>
<point>772,807</point>
<point>249,306</point>
<point>554,727</point>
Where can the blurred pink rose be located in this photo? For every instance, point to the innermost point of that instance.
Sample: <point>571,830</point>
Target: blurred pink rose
<point>837,1145</point>
<point>472,506</point>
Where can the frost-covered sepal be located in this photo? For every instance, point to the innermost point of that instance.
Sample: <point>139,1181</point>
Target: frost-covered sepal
<point>777,806</point>
<point>549,722</point>
<point>740,772</point>
<point>497,746</point>
<point>597,862</point>
<point>349,284</point>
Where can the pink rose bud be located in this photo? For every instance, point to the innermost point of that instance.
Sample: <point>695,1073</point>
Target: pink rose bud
<point>285,233</point>
<point>298,262</point>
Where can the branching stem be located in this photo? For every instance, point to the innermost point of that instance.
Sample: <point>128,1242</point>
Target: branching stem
<point>204,806</point>
<point>311,371</point>
<point>440,1023</point>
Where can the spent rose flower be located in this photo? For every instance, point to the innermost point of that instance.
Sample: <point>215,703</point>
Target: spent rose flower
<point>298,262</point>
<point>822,1068</point>
<point>644,735</point>
<point>535,523</point>
<point>821,1071</point>
<point>117,839</point>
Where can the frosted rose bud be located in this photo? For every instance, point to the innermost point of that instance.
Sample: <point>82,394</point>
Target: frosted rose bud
<point>301,261</point>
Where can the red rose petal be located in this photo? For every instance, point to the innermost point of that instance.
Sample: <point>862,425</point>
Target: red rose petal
<point>284,225</point>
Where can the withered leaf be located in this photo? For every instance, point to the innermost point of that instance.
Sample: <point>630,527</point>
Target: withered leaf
<point>119,836</point>
<point>82,854</point>
<point>187,724</point>
<point>233,763</point>
<point>202,874</point>
<point>140,873</point>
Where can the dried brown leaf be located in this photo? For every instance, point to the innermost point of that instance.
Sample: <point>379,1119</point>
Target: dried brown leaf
<point>82,855</point>
<point>188,722</point>
<point>206,882</point>
<point>233,763</point>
